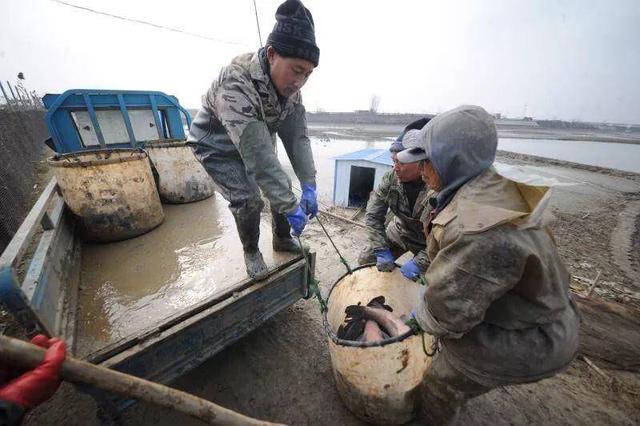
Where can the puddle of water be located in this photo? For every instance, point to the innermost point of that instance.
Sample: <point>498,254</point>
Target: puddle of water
<point>131,285</point>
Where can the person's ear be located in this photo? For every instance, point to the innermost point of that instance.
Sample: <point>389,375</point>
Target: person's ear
<point>271,53</point>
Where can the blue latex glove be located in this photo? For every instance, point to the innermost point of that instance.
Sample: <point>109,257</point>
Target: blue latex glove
<point>297,220</point>
<point>309,200</point>
<point>384,260</point>
<point>410,270</point>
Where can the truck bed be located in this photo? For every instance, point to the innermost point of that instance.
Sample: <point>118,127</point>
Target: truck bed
<point>154,306</point>
<point>130,285</point>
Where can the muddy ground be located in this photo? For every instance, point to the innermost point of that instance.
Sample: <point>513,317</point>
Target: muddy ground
<point>282,371</point>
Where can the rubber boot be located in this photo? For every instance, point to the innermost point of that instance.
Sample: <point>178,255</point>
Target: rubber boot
<point>254,262</point>
<point>248,224</point>
<point>282,239</point>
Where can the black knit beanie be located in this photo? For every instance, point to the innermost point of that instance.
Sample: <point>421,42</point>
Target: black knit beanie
<point>294,32</point>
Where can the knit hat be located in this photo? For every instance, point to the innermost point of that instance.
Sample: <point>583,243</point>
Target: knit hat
<point>294,32</point>
<point>399,145</point>
<point>409,139</point>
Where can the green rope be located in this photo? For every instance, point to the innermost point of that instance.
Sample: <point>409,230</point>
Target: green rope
<point>313,288</point>
<point>344,262</point>
<point>415,327</point>
<point>342,259</point>
<point>313,283</point>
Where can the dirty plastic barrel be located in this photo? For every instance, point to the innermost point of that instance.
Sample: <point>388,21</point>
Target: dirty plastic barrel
<point>378,382</point>
<point>181,177</point>
<point>112,192</point>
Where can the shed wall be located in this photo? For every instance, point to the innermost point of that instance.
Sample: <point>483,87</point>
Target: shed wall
<point>343,176</point>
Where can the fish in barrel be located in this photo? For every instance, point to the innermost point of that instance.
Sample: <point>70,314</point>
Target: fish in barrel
<point>374,322</point>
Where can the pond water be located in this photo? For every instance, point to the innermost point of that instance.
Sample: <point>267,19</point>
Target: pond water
<point>621,156</point>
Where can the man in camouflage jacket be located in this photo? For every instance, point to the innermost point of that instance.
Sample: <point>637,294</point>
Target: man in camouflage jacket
<point>402,191</point>
<point>234,134</point>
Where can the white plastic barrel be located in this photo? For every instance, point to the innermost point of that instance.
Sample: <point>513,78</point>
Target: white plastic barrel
<point>378,383</point>
<point>112,192</point>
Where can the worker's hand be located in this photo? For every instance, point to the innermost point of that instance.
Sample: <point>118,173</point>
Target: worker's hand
<point>410,270</point>
<point>412,322</point>
<point>297,220</point>
<point>309,200</point>
<point>384,260</point>
<point>36,386</point>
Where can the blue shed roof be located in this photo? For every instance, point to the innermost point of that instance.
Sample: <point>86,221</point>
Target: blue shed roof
<point>374,155</point>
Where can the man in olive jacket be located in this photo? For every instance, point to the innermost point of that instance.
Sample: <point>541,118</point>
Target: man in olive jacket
<point>497,294</point>
<point>234,134</point>
<point>402,191</point>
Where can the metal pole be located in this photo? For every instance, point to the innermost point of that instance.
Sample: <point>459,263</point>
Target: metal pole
<point>5,96</point>
<point>255,9</point>
<point>23,102</point>
<point>25,94</point>
<point>12,94</point>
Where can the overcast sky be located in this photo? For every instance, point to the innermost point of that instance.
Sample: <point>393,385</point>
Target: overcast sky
<point>547,59</point>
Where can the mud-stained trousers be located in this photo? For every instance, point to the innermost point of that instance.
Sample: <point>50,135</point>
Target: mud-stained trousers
<point>243,195</point>
<point>444,391</point>
<point>396,244</point>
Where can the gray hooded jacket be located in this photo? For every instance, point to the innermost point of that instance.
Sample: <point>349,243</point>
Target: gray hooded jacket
<point>497,291</point>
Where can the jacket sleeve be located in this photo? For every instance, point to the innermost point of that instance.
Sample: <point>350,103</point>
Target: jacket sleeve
<point>422,260</point>
<point>10,414</point>
<point>377,212</point>
<point>237,106</point>
<point>293,133</point>
<point>465,277</point>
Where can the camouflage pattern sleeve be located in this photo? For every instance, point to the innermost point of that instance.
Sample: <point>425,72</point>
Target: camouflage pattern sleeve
<point>422,260</point>
<point>235,102</point>
<point>377,211</point>
<point>293,132</point>
<point>237,105</point>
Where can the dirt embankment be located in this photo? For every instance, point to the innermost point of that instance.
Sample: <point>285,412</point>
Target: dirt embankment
<point>22,151</point>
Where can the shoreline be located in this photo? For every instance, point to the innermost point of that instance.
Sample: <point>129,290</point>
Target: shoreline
<point>378,131</point>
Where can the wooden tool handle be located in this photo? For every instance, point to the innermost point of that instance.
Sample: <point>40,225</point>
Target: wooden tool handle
<point>28,356</point>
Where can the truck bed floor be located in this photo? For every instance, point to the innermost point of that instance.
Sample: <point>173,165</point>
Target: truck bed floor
<point>127,286</point>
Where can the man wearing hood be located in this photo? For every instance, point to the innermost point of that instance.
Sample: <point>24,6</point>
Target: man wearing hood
<point>497,294</point>
<point>234,134</point>
<point>402,191</point>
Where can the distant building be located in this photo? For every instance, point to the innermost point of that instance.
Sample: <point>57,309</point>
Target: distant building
<point>357,174</point>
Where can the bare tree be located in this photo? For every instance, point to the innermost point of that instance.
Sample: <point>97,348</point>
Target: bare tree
<point>374,104</point>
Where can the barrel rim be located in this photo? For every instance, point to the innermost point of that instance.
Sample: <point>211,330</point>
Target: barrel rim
<point>351,343</point>
<point>64,160</point>
<point>165,143</point>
